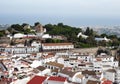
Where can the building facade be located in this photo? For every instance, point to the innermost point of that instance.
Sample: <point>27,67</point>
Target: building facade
<point>57,46</point>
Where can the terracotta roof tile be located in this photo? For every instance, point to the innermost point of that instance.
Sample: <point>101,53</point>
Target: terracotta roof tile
<point>37,80</point>
<point>41,68</point>
<point>55,78</point>
<point>93,82</point>
<point>111,70</point>
<point>55,64</point>
<point>88,72</point>
<point>68,72</point>
<point>107,82</point>
<point>55,70</point>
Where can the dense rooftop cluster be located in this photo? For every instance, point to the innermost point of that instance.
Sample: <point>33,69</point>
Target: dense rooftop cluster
<point>28,59</point>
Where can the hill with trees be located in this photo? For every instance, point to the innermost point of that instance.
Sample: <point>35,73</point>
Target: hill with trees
<point>69,32</point>
<point>72,32</point>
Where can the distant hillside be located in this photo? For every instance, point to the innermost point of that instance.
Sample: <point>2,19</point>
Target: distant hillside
<point>3,27</point>
<point>115,30</point>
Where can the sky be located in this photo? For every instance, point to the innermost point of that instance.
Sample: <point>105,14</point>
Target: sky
<point>71,12</point>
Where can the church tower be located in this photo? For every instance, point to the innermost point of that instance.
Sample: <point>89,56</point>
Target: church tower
<point>39,29</point>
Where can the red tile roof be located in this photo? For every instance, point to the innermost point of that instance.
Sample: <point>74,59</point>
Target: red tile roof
<point>55,78</point>
<point>107,82</point>
<point>37,80</point>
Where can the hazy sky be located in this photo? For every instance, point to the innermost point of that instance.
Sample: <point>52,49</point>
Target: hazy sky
<point>71,12</point>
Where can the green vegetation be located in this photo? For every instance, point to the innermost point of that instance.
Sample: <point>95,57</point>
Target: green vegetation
<point>54,41</point>
<point>61,29</point>
<point>71,34</point>
<point>2,33</point>
<point>89,32</point>
<point>16,28</point>
<point>67,31</point>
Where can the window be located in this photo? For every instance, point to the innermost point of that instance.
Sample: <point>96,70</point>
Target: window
<point>71,63</point>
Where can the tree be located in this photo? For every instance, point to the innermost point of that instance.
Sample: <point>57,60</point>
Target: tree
<point>49,40</point>
<point>49,27</point>
<point>113,37</point>
<point>24,24</point>
<point>60,24</point>
<point>36,23</point>
<point>80,39</point>
<point>27,31</point>
<point>115,42</point>
<point>89,32</point>
<point>2,33</point>
<point>17,27</point>
<point>61,29</point>
<point>104,35</point>
<point>91,41</point>
<point>102,43</point>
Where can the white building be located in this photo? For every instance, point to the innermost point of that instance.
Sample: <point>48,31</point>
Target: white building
<point>36,64</point>
<point>102,39</point>
<point>48,57</point>
<point>53,65</point>
<point>76,77</point>
<point>21,55</point>
<point>57,46</point>
<point>84,57</point>
<point>20,49</point>
<point>110,74</point>
<point>82,35</point>
<point>36,44</point>
<point>45,36</point>
<point>43,71</point>
<point>18,35</point>
<point>117,78</point>
<point>104,63</point>
<point>63,61</point>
